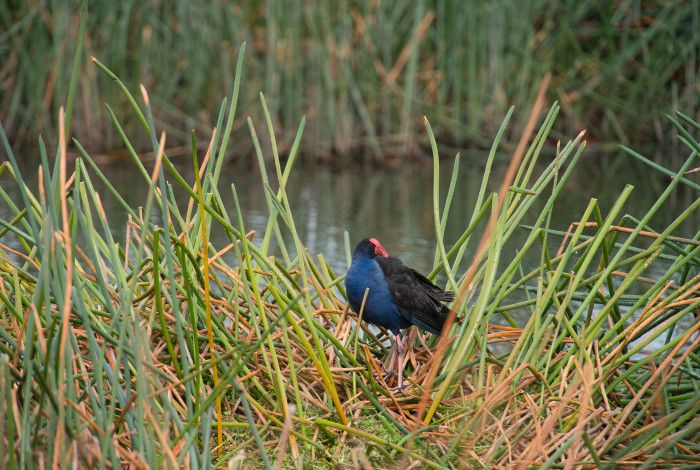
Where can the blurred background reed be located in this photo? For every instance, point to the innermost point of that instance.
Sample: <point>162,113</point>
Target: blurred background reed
<point>363,72</point>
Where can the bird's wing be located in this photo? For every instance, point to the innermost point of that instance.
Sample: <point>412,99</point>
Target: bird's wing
<point>418,299</point>
<point>433,290</point>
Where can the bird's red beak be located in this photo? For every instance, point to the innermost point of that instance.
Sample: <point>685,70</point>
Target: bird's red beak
<point>378,248</point>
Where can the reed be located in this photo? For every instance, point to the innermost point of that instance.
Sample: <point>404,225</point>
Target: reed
<point>362,72</point>
<point>168,350</point>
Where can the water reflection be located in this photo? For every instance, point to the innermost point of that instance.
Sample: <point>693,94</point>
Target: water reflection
<point>393,205</point>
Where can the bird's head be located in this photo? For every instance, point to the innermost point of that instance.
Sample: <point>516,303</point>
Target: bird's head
<point>370,247</point>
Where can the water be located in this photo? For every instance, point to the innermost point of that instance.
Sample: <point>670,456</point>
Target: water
<point>395,205</point>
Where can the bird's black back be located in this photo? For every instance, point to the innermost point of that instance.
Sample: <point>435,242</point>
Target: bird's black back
<point>417,299</point>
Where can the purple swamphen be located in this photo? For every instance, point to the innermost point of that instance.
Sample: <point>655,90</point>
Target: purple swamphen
<point>397,296</point>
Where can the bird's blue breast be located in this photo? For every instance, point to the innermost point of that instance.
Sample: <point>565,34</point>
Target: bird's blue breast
<point>365,273</point>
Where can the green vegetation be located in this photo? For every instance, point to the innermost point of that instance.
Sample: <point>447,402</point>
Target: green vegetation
<point>362,72</point>
<point>168,351</point>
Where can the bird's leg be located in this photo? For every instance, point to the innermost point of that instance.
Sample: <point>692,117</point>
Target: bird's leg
<point>400,364</point>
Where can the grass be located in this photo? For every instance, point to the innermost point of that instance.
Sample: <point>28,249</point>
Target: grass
<point>166,350</point>
<point>362,72</point>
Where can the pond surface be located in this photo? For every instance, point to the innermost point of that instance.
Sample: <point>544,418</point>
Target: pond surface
<point>394,205</point>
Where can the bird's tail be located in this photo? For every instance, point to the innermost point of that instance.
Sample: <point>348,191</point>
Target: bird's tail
<point>444,309</point>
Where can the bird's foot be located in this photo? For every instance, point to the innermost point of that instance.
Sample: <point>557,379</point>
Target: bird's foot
<point>399,390</point>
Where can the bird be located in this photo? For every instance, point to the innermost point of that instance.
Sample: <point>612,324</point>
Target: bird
<point>397,297</point>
